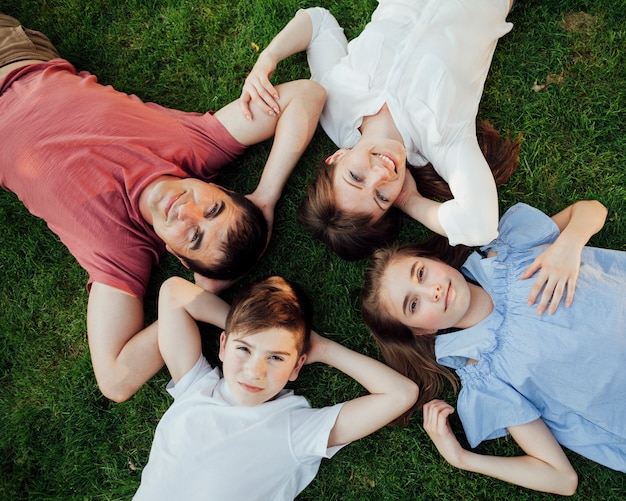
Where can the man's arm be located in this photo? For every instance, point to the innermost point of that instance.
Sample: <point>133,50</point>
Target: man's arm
<point>124,353</point>
<point>391,394</point>
<point>302,102</point>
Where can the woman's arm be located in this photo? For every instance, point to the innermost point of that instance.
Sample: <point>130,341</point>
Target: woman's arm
<point>294,37</point>
<point>544,467</point>
<point>391,394</point>
<point>559,264</point>
<point>471,216</point>
<point>181,304</point>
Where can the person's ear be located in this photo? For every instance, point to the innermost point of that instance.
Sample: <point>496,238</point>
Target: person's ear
<point>222,345</point>
<point>336,156</point>
<point>296,370</point>
<point>182,260</point>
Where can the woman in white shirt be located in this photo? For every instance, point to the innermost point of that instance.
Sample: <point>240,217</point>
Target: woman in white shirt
<point>407,89</point>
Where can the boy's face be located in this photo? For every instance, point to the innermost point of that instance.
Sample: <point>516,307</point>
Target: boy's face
<point>257,366</point>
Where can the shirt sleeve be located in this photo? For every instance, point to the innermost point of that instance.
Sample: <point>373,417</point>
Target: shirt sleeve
<point>310,432</point>
<point>524,227</point>
<point>471,217</point>
<point>200,375</point>
<point>477,401</point>
<point>328,43</point>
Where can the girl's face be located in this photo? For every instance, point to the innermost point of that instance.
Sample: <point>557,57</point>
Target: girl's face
<point>369,177</point>
<point>425,294</point>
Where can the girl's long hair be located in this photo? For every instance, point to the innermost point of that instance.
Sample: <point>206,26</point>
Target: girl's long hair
<point>411,354</point>
<point>356,236</point>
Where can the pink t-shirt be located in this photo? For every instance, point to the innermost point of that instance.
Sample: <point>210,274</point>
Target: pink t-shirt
<point>78,154</point>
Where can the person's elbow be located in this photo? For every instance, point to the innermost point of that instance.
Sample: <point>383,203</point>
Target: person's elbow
<point>312,93</point>
<point>569,483</point>
<point>408,395</point>
<point>115,392</point>
<point>476,233</point>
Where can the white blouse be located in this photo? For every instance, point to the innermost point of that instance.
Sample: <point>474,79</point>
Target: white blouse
<point>428,60</point>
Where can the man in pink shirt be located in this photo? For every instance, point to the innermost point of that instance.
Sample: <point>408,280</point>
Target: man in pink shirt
<point>120,181</point>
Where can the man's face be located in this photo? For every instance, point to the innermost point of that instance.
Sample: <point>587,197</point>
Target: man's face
<point>191,216</point>
<point>257,367</point>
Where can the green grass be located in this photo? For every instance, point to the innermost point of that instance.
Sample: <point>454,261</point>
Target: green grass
<point>60,439</point>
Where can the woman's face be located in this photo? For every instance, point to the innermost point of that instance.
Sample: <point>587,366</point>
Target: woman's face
<point>424,294</point>
<point>368,177</point>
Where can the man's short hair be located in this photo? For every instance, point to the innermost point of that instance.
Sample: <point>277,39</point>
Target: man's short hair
<point>244,243</point>
<point>269,303</point>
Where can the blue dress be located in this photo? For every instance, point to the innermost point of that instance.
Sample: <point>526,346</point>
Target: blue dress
<point>566,368</point>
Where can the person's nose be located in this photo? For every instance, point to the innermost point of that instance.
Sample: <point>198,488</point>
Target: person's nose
<point>256,368</point>
<point>379,174</point>
<point>435,292</point>
<point>189,212</point>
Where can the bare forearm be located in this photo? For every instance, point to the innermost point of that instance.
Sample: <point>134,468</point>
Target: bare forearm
<point>293,38</point>
<point>294,130</point>
<point>374,376</point>
<point>425,211</point>
<point>525,471</point>
<point>580,221</point>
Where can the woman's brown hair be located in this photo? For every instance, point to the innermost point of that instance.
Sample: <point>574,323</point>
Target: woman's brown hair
<point>356,236</point>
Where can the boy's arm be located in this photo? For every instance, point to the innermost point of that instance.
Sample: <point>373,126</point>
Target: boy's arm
<point>181,304</point>
<point>391,394</point>
<point>545,466</point>
<point>559,264</point>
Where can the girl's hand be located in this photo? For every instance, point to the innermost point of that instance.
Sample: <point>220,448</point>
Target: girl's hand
<point>557,268</point>
<point>258,88</point>
<point>436,424</point>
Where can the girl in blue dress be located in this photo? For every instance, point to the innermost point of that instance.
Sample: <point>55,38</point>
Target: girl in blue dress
<point>545,378</point>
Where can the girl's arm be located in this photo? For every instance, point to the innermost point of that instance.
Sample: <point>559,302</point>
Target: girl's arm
<point>181,304</point>
<point>544,467</point>
<point>294,37</point>
<point>391,394</point>
<point>559,264</point>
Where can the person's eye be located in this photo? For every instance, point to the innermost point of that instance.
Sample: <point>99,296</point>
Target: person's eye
<point>213,210</point>
<point>413,306</point>
<point>277,358</point>
<point>195,236</point>
<point>382,197</point>
<point>420,274</point>
<point>243,348</point>
<point>355,177</point>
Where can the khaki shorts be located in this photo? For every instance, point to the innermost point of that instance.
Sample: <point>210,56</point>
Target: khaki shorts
<point>17,43</point>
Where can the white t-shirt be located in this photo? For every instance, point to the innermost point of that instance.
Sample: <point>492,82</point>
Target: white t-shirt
<point>428,60</point>
<point>206,446</point>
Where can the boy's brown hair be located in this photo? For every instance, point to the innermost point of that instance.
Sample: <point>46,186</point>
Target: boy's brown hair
<point>272,302</point>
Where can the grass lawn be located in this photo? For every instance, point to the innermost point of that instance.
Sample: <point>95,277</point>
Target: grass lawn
<point>558,78</point>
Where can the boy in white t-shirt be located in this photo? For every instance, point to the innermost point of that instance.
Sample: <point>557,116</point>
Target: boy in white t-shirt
<point>242,436</point>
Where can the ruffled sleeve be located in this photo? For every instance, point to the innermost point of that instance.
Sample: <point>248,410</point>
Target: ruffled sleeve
<point>487,406</point>
<point>524,227</point>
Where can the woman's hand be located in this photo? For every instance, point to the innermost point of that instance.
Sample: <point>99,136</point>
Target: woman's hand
<point>258,88</point>
<point>436,424</point>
